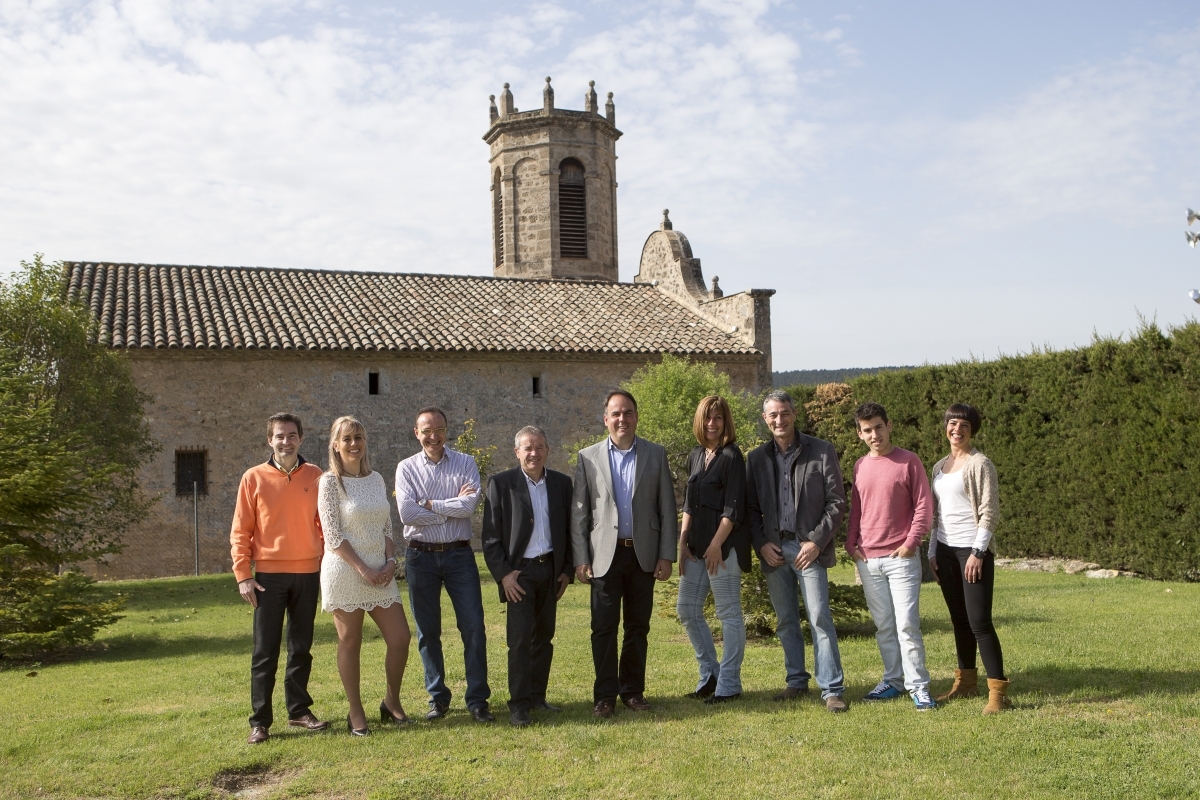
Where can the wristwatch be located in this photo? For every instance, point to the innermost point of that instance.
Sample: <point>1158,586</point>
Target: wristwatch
<point>980,554</point>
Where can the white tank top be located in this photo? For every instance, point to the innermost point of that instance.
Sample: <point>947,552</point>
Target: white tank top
<point>956,515</point>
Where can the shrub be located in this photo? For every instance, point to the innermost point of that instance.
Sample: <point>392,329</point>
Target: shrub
<point>41,611</point>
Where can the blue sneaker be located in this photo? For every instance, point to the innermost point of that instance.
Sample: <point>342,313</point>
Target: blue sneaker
<point>921,698</point>
<point>884,691</point>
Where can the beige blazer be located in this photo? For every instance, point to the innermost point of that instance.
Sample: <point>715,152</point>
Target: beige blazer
<point>594,509</point>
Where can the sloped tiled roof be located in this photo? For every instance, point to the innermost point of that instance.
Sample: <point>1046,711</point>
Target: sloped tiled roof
<point>160,307</point>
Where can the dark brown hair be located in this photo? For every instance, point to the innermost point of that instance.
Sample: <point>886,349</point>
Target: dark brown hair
<point>619,393</point>
<point>283,418</point>
<point>432,410</point>
<point>870,411</point>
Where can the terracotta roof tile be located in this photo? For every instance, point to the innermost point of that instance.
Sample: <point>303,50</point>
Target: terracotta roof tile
<point>151,306</point>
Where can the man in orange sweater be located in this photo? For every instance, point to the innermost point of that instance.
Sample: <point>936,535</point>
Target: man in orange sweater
<point>275,526</point>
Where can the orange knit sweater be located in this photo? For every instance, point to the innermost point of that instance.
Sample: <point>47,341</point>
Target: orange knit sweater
<point>275,523</point>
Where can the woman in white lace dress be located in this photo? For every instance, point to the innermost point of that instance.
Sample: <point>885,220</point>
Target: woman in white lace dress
<point>359,568</point>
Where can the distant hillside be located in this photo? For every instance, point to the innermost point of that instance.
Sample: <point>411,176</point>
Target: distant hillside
<point>812,377</point>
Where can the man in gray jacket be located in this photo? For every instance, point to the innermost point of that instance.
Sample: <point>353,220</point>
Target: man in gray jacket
<point>795,501</point>
<point>623,534</point>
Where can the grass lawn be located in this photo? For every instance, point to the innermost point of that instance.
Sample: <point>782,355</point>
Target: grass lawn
<point>1104,679</point>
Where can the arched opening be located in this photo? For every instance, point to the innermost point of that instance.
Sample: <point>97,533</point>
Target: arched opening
<point>498,219</point>
<point>572,210</point>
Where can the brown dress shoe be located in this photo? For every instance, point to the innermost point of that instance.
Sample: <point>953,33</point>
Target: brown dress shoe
<point>308,722</point>
<point>636,703</point>
<point>790,693</point>
<point>603,709</point>
<point>258,735</point>
<point>835,704</point>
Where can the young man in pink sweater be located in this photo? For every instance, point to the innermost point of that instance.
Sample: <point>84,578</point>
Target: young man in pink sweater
<point>890,510</point>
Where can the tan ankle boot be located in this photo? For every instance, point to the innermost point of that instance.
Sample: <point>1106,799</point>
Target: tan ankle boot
<point>966,684</point>
<point>997,697</point>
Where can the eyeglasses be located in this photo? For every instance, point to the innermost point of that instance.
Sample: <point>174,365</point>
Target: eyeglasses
<point>432,431</point>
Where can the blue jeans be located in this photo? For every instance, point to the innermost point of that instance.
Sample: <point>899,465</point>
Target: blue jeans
<point>813,584</point>
<point>726,586</point>
<point>455,570</point>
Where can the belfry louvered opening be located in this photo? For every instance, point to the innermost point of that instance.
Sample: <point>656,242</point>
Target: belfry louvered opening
<point>572,210</point>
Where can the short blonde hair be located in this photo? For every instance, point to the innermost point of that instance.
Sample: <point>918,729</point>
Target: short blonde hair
<point>335,459</point>
<point>706,407</point>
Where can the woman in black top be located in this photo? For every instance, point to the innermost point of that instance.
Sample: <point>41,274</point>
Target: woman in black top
<point>714,547</point>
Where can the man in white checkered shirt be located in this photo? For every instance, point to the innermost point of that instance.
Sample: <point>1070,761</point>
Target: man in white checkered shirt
<point>437,491</point>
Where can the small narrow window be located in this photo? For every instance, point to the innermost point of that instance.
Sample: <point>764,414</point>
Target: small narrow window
<point>372,383</point>
<point>537,386</point>
<point>191,468</point>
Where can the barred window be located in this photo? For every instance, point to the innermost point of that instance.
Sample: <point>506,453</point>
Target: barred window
<point>191,466</point>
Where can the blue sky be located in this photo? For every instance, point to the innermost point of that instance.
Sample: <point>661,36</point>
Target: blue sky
<point>921,181</point>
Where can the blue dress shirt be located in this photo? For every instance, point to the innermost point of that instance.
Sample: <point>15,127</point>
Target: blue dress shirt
<point>623,464</point>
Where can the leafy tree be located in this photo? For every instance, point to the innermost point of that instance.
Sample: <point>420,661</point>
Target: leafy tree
<point>71,425</point>
<point>73,434</point>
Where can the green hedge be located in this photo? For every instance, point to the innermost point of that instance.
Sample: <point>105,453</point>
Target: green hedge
<point>1097,448</point>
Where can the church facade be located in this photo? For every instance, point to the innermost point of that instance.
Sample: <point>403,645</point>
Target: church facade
<point>537,342</point>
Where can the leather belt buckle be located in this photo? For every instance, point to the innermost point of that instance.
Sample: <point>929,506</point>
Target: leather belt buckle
<point>625,542</point>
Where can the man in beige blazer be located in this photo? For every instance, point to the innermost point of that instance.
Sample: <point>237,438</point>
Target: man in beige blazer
<point>623,535</point>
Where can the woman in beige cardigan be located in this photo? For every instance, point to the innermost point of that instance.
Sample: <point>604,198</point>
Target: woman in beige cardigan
<point>966,499</point>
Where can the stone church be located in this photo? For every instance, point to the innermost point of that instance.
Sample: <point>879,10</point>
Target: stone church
<point>538,341</point>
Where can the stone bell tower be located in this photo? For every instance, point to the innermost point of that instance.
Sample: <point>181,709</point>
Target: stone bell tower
<point>554,189</point>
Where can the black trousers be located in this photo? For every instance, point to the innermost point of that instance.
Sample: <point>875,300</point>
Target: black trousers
<point>294,594</point>
<point>970,607</point>
<point>626,586</point>
<point>531,635</point>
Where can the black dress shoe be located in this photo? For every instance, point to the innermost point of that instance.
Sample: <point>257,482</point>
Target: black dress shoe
<point>707,690</point>
<point>544,706</point>
<point>385,715</point>
<point>519,719</point>
<point>482,714</point>
<point>436,711</point>
<point>356,731</point>
<point>721,698</point>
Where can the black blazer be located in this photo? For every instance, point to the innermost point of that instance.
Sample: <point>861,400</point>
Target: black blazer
<point>508,522</point>
<point>820,496</point>
<point>715,493</point>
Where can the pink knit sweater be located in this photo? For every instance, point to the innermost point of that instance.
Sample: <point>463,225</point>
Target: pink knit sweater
<point>891,504</point>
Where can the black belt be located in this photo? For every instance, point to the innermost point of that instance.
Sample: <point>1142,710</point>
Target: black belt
<point>787,537</point>
<point>440,547</point>
<point>625,542</point>
<point>542,559</point>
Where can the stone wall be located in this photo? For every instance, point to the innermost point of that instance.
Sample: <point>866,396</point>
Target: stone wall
<point>219,402</point>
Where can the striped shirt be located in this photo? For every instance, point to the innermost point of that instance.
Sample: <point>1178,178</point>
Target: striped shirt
<point>418,479</point>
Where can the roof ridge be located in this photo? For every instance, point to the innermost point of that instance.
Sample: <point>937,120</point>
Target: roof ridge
<point>331,271</point>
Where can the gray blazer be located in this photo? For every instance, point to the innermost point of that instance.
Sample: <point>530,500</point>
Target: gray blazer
<point>820,497</point>
<point>594,509</point>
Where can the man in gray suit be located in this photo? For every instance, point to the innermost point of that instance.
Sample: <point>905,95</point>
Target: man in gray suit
<point>623,534</point>
<point>795,501</point>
